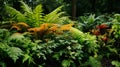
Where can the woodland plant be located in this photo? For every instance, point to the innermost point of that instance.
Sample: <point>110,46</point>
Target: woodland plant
<point>55,44</point>
<point>29,38</point>
<point>105,29</point>
<point>34,17</point>
<point>32,52</point>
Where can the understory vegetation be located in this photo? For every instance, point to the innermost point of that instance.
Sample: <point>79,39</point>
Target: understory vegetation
<point>30,38</point>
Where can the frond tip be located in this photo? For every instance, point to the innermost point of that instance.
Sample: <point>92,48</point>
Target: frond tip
<point>25,7</point>
<point>55,16</point>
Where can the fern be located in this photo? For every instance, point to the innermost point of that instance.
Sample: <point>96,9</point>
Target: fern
<point>28,58</point>
<point>35,16</point>
<point>26,8</point>
<point>4,34</point>
<point>14,53</point>
<point>14,14</point>
<point>55,16</point>
<point>38,15</point>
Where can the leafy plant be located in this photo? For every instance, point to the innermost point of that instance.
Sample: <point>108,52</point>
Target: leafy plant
<point>86,22</point>
<point>36,16</point>
<point>85,39</point>
<point>89,22</point>
<point>115,25</point>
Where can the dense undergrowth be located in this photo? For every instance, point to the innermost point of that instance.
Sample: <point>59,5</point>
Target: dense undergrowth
<point>28,38</point>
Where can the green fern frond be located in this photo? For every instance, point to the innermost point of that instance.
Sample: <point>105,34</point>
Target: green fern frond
<point>14,14</point>
<point>51,15</point>
<point>14,53</point>
<point>35,16</point>
<point>54,18</point>
<point>26,8</point>
<point>55,15</point>
<point>62,19</point>
<point>38,9</point>
<point>38,14</point>
<point>28,58</point>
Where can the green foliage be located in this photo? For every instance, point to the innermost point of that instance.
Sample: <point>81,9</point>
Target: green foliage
<point>2,64</point>
<point>66,63</point>
<point>14,53</point>
<point>116,25</point>
<point>92,62</point>
<point>26,8</point>
<point>116,63</point>
<point>28,58</point>
<point>4,34</point>
<point>13,14</point>
<point>71,48</point>
<point>85,39</point>
<point>51,48</point>
<point>55,16</point>
<point>36,16</point>
<point>86,23</point>
<point>89,22</point>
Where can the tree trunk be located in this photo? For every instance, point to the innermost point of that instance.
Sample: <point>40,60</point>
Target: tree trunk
<point>73,9</point>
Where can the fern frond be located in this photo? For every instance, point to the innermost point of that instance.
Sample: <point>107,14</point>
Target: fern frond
<point>14,14</point>
<point>38,14</point>
<point>35,16</point>
<point>38,9</point>
<point>26,8</point>
<point>14,53</point>
<point>60,19</point>
<point>28,58</point>
<point>54,16</point>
